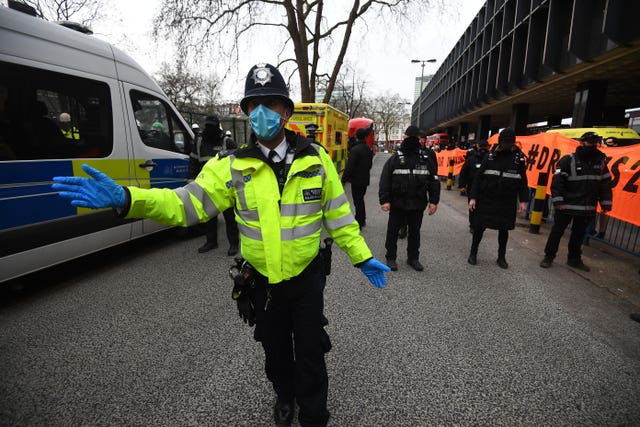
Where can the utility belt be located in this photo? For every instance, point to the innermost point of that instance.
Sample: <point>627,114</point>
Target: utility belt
<point>244,277</point>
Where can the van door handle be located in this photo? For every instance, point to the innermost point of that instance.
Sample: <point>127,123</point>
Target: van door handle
<point>148,165</point>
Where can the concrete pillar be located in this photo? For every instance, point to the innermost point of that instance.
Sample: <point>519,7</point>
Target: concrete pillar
<point>463,134</point>
<point>614,116</point>
<point>484,126</point>
<point>588,105</point>
<point>520,118</point>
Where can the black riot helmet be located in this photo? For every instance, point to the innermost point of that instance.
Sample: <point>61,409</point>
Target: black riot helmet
<point>264,80</point>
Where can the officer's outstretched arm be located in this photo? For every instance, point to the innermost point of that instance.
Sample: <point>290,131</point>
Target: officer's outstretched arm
<point>96,192</point>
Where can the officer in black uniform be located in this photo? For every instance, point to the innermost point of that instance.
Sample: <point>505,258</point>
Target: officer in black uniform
<point>207,146</point>
<point>501,180</point>
<point>408,184</point>
<point>580,182</point>
<point>357,173</point>
<point>475,156</point>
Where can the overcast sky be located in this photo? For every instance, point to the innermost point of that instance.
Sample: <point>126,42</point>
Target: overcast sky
<point>382,57</point>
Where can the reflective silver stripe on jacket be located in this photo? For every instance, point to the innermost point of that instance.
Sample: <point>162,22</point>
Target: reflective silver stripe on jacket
<point>296,209</point>
<point>302,231</point>
<point>402,172</point>
<point>511,175</point>
<point>606,202</point>
<point>557,199</point>
<point>334,224</point>
<point>189,210</point>
<point>250,232</point>
<point>249,215</point>
<point>503,174</point>
<point>285,233</point>
<point>335,203</point>
<point>579,208</point>
<point>207,204</point>
<point>237,181</point>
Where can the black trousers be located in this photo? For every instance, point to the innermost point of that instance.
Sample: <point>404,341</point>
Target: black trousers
<point>503,238</point>
<point>294,341</point>
<point>397,219</point>
<point>578,228</point>
<point>230,224</point>
<point>358,192</point>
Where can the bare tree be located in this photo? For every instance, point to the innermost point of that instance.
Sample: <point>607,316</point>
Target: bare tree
<point>349,92</point>
<point>188,90</point>
<point>389,112</point>
<point>82,11</point>
<point>310,33</point>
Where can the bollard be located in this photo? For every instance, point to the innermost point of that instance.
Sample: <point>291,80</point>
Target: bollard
<point>538,203</point>
<point>450,175</point>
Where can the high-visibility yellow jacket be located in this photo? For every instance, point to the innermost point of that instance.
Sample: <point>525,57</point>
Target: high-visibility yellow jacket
<point>279,234</point>
<point>71,133</point>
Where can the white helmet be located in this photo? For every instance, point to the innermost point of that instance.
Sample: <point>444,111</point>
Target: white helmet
<point>228,133</point>
<point>195,126</point>
<point>64,118</point>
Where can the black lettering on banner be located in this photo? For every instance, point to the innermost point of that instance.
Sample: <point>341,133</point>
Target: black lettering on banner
<point>542,160</point>
<point>631,186</point>
<point>532,155</point>
<point>616,172</point>
<point>555,156</point>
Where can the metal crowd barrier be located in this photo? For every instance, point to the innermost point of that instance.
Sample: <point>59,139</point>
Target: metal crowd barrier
<point>611,231</point>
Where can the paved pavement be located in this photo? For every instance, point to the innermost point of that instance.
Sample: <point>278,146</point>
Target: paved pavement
<point>147,335</point>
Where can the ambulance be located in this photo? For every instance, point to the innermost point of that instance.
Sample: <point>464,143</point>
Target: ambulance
<point>611,136</point>
<point>331,128</point>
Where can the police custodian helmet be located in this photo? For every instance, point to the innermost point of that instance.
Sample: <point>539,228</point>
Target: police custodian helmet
<point>264,80</point>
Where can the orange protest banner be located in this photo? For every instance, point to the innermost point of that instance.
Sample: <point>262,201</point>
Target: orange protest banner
<point>444,156</point>
<point>545,149</point>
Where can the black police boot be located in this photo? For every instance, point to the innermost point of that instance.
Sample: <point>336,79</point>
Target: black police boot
<point>392,264</point>
<point>207,247</point>
<point>415,264</point>
<point>283,413</point>
<point>233,249</point>
<point>473,259</point>
<point>577,263</point>
<point>502,263</point>
<point>546,262</point>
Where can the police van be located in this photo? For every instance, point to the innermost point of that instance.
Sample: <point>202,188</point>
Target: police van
<point>67,98</point>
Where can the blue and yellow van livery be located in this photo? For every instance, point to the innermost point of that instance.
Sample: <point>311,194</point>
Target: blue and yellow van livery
<point>54,78</point>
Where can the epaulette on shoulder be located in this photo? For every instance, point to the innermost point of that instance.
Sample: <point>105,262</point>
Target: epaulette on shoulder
<point>226,153</point>
<point>313,142</point>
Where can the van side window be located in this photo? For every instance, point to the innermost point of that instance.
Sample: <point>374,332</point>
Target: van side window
<point>49,115</point>
<point>157,124</point>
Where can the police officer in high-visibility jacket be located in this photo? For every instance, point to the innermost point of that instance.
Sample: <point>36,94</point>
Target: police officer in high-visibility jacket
<point>283,187</point>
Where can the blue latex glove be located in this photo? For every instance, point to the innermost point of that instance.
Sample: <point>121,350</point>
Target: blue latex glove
<point>96,192</point>
<point>374,270</point>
